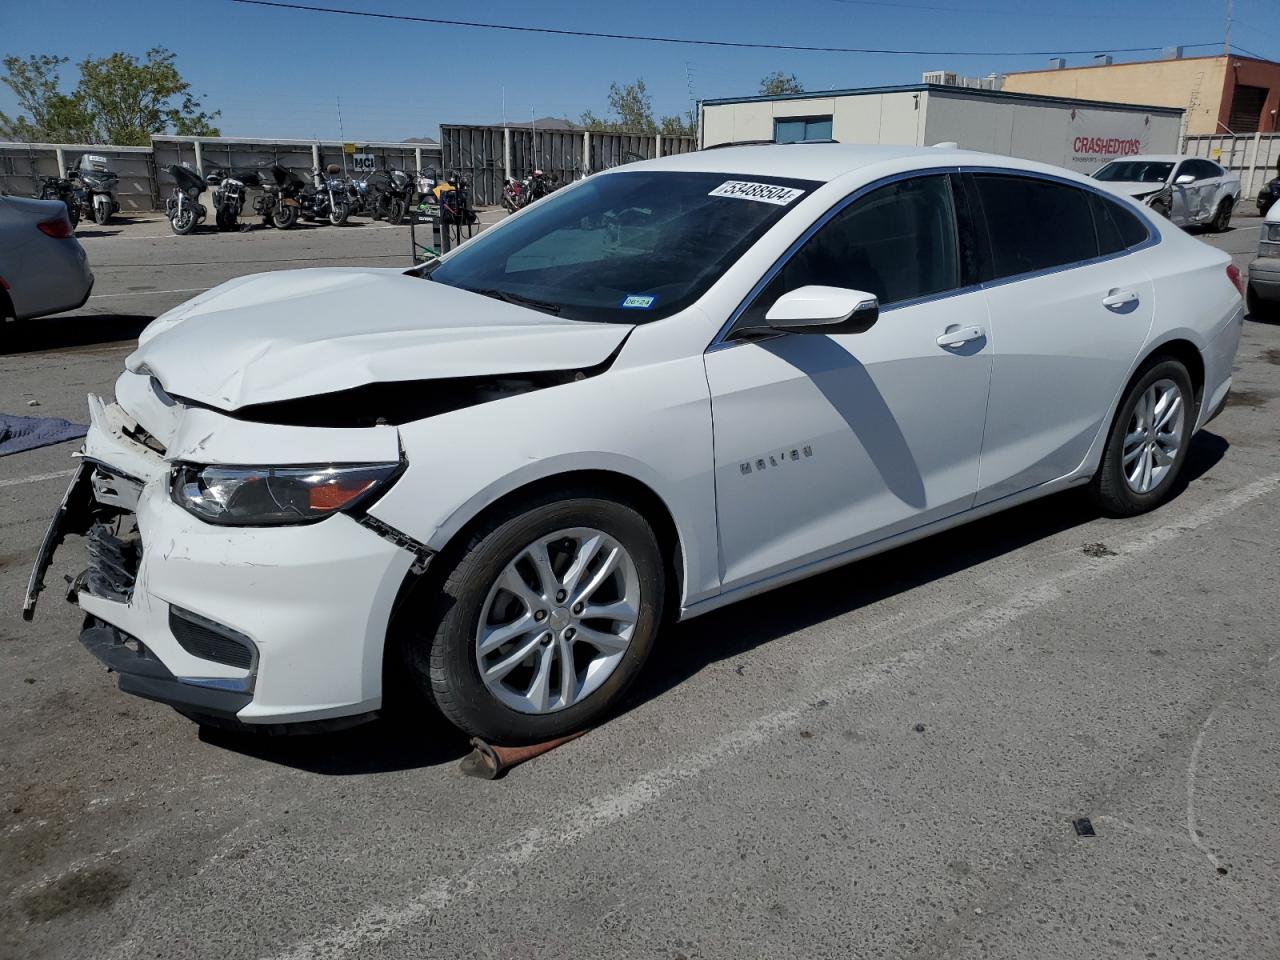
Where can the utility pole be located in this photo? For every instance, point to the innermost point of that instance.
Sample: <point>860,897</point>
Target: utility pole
<point>342,137</point>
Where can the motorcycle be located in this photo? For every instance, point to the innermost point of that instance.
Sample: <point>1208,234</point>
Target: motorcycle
<point>326,198</point>
<point>454,197</point>
<point>280,200</point>
<point>184,208</point>
<point>98,186</point>
<point>394,197</point>
<point>60,188</point>
<point>230,189</point>
<point>513,194</point>
<point>537,186</point>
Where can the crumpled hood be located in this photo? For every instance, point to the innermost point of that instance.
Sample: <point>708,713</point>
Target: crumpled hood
<point>300,333</point>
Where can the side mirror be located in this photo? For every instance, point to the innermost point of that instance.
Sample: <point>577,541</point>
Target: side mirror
<point>824,310</point>
<point>1184,179</point>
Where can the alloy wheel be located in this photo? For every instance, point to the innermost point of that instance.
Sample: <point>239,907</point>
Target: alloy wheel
<point>1154,437</point>
<point>558,620</point>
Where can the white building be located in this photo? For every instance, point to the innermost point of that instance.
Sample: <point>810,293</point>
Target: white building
<point>1078,134</point>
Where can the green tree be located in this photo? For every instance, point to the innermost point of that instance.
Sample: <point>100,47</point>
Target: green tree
<point>53,117</point>
<point>777,83</point>
<point>119,99</point>
<point>130,100</point>
<point>632,110</point>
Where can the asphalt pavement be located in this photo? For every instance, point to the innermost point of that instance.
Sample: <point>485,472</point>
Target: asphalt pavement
<point>888,761</point>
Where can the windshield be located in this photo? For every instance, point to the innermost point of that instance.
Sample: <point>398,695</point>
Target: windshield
<point>1135,171</point>
<point>624,247</point>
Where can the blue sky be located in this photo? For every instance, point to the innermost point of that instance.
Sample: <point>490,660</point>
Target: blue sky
<point>281,73</point>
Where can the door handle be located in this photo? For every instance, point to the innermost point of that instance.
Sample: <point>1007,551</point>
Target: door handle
<point>1120,300</point>
<point>961,335</point>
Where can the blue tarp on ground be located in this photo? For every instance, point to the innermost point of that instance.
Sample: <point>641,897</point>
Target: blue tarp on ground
<point>27,433</point>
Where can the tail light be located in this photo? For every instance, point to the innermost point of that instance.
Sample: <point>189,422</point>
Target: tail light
<point>1233,274</point>
<point>58,227</point>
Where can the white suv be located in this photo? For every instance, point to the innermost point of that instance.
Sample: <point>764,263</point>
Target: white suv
<point>488,481</point>
<point>1190,191</point>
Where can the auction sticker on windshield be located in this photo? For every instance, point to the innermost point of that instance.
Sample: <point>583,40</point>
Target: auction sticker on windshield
<point>761,192</point>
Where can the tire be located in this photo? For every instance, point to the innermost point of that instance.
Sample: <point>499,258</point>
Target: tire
<point>1222,218</point>
<point>443,657</point>
<point>183,221</point>
<point>73,214</point>
<point>1112,489</point>
<point>395,211</point>
<point>101,214</point>
<point>284,216</point>
<point>1265,311</point>
<point>225,220</point>
<point>338,215</point>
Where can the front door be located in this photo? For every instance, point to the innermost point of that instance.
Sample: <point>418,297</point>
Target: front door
<point>824,443</point>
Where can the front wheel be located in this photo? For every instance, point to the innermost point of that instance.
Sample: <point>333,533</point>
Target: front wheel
<point>1222,218</point>
<point>183,221</point>
<point>395,211</point>
<point>73,214</point>
<point>1148,441</point>
<point>101,213</point>
<point>284,216</point>
<point>544,620</point>
<point>338,214</point>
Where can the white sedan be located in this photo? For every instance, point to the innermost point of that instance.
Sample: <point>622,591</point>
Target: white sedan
<point>490,481</point>
<point>1190,191</point>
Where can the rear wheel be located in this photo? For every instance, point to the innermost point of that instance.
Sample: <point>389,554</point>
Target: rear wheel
<point>284,216</point>
<point>1148,441</point>
<point>1222,218</point>
<point>544,620</point>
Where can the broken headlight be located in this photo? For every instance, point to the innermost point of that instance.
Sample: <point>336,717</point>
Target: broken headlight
<point>269,496</point>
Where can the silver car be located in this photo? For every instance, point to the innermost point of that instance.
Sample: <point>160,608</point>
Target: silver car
<point>43,268</point>
<point>1190,191</point>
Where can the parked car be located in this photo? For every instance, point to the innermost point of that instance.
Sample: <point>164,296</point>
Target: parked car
<point>1190,191</point>
<point>43,268</point>
<point>490,480</point>
<point>1264,271</point>
<point>1268,195</point>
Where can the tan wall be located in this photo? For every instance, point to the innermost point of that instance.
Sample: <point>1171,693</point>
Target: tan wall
<point>873,118</point>
<point>1161,83</point>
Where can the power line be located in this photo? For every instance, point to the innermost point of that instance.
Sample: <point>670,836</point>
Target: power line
<point>797,48</point>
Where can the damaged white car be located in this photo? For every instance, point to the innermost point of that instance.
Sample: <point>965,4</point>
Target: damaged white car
<point>1190,191</point>
<point>488,481</point>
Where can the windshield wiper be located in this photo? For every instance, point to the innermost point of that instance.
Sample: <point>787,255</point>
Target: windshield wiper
<point>551,308</point>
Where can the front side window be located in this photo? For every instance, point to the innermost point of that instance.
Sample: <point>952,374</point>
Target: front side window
<point>897,242</point>
<point>623,247</point>
<point>798,129</point>
<point>1202,169</point>
<point>1035,224</point>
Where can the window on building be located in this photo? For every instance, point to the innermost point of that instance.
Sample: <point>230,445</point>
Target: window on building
<point>797,129</point>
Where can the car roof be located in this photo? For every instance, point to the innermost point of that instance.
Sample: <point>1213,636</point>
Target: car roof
<point>827,161</point>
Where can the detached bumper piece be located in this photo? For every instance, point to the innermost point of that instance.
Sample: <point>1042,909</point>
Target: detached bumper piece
<point>143,675</point>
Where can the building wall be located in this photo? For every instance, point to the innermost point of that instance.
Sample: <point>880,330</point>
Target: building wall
<point>1077,137</point>
<point>870,118</point>
<point>1203,86</point>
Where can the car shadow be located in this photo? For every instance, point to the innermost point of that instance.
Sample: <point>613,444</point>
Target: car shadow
<point>78,330</point>
<point>388,745</point>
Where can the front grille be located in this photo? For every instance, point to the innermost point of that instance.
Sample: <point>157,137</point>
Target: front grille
<point>208,640</point>
<point>113,562</point>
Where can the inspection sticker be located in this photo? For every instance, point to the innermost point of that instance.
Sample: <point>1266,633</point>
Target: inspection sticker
<point>761,192</point>
<point>636,302</point>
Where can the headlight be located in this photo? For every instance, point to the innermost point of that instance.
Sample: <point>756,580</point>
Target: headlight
<point>268,496</point>
<point>1271,232</point>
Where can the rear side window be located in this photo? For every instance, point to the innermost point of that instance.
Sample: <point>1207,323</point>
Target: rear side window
<point>897,242</point>
<point>1035,224</point>
<point>1117,228</point>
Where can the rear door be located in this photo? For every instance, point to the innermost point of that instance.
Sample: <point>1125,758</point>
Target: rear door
<point>1070,308</point>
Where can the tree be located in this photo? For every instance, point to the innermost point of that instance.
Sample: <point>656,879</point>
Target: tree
<point>118,100</point>
<point>54,116</point>
<point>129,100</point>
<point>777,83</point>
<point>633,108</point>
